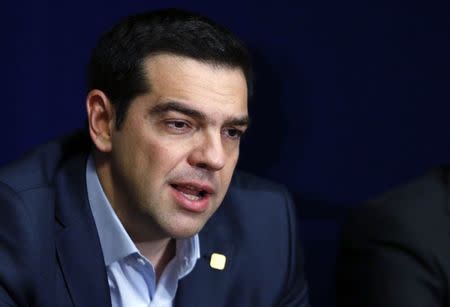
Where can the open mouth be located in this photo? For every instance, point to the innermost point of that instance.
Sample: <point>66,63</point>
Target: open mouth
<point>191,192</point>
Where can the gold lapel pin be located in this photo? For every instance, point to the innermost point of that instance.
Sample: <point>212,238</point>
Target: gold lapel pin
<point>218,261</point>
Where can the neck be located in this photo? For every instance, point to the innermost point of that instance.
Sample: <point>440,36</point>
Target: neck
<point>159,253</point>
<point>151,241</point>
<point>157,248</point>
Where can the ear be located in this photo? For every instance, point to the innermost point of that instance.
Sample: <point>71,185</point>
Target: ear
<point>101,119</point>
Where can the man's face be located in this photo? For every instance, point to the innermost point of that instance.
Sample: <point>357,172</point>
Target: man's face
<point>172,159</point>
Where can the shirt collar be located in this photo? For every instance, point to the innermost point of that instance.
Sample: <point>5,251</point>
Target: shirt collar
<point>115,242</point>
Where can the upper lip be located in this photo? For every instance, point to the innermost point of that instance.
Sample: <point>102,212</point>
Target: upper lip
<point>200,186</point>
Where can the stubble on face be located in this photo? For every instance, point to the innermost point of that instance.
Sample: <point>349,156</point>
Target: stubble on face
<point>173,158</point>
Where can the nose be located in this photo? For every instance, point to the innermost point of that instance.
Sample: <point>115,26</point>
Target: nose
<point>209,153</point>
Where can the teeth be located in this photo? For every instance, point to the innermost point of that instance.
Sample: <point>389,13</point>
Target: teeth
<point>191,192</point>
<point>191,197</point>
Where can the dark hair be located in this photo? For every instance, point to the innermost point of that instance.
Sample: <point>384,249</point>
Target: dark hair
<point>116,64</point>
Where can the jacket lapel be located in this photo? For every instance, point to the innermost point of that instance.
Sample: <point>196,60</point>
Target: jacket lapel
<point>77,244</point>
<point>206,286</point>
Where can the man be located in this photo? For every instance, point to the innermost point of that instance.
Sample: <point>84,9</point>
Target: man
<point>137,215</point>
<point>395,251</point>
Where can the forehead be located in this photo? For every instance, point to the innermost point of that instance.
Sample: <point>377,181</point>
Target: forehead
<point>197,83</point>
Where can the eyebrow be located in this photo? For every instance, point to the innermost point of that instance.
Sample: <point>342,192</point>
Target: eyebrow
<point>241,121</point>
<point>174,106</point>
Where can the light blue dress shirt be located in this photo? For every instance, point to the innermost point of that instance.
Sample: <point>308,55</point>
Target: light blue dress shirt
<point>131,277</point>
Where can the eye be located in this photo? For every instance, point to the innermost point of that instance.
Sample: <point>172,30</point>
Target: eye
<point>233,133</point>
<point>177,126</point>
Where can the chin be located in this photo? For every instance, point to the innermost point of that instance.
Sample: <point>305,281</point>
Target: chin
<point>185,230</point>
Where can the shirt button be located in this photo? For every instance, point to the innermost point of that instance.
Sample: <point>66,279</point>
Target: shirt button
<point>141,261</point>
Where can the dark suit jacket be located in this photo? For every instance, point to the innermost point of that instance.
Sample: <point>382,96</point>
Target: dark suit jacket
<point>395,251</point>
<point>50,253</point>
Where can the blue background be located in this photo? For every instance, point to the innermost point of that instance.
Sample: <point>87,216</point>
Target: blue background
<point>352,97</point>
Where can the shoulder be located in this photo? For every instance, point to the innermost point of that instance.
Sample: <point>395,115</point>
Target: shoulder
<point>415,213</point>
<point>397,244</point>
<point>257,213</point>
<point>27,184</point>
<point>429,190</point>
<point>258,221</point>
<point>37,168</point>
<point>258,201</point>
<point>416,201</point>
<point>255,192</point>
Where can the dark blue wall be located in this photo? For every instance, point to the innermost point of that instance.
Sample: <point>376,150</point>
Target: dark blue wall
<point>352,97</point>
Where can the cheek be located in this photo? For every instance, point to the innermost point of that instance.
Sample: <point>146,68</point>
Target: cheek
<point>233,157</point>
<point>229,168</point>
<point>164,156</point>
